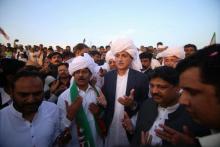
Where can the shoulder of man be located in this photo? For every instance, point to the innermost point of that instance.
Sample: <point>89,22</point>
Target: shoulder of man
<point>148,103</point>
<point>137,73</point>
<point>109,73</point>
<point>64,96</point>
<point>49,105</point>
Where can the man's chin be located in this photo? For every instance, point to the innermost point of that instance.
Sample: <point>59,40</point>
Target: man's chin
<point>196,120</point>
<point>157,99</point>
<point>30,110</point>
<point>193,116</point>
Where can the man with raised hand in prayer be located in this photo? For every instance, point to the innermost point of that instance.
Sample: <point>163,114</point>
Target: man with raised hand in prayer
<point>124,88</point>
<point>80,106</point>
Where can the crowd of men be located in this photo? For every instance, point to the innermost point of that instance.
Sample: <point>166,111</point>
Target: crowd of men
<point>113,96</point>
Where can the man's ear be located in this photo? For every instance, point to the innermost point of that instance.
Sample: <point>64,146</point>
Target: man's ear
<point>90,74</point>
<point>177,89</point>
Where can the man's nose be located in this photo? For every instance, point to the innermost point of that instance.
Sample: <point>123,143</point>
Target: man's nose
<point>184,99</point>
<point>30,97</point>
<point>154,90</point>
<point>80,74</point>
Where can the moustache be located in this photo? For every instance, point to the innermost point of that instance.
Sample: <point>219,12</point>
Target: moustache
<point>155,95</point>
<point>81,79</point>
<point>32,104</point>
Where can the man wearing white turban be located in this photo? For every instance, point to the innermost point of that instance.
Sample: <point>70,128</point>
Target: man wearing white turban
<point>77,105</point>
<point>125,89</point>
<point>171,56</point>
<point>110,61</point>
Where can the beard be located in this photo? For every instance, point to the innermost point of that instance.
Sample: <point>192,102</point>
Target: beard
<point>27,108</point>
<point>64,75</point>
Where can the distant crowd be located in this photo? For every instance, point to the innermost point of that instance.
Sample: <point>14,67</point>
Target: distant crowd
<point>109,96</point>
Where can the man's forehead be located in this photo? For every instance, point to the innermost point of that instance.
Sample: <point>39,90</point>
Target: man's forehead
<point>189,48</point>
<point>27,82</point>
<point>122,52</point>
<point>145,59</point>
<point>190,77</point>
<point>159,80</point>
<point>192,72</point>
<point>83,69</point>
<point>55,56</point>
<point>171,57</point>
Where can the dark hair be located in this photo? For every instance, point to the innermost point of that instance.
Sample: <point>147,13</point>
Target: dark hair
<point>207,60</point>
<point>9,67</point>
<point>26,73</point>
<point>191,45</point>
<point>65,64</point>
<point>79,47</point>
<point>94,52</point>
<point>146,55</point>
<point>50,49</point>
<point>67,54</point>
<point>107,46</point>
<point>159,43</point>
<point>166,73</point>
<point>31,67</point>
<point>93,46</point>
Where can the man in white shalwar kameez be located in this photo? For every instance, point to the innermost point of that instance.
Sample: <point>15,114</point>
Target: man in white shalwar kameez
<point>125,80</point>
<point>86,96</point>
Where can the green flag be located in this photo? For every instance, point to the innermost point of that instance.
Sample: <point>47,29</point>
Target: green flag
<point>81,119</point>
<point>213,40</point>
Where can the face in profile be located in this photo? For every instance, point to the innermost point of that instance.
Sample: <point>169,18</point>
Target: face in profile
<point>28,94</point>
<point>199,98</point>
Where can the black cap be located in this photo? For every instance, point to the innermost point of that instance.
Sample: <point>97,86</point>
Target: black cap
<point>53,54</point>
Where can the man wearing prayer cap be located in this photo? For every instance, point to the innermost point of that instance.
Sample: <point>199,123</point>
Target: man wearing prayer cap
<point>80,106</point>
<point>124,88</point>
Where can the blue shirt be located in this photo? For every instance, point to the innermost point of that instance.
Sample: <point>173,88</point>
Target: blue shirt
<point>15,131</point>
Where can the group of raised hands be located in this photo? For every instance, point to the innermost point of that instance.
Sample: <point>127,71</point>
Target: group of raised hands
<point>72,108</point>
<point>164,132</point>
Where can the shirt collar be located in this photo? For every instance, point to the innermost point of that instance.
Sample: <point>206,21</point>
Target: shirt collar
<point>14,111</point>
<point>126,73</point>
<point>19,114</point>
<point>89,87</point>
<point>165,111</point>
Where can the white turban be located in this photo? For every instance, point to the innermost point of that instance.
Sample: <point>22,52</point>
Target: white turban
<point>171,52</point>
<point>126,44</point>
<point>78,63</point>
<point>109,55</point>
